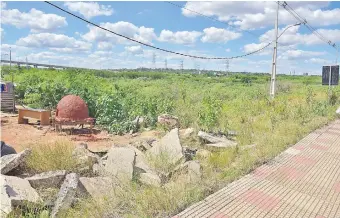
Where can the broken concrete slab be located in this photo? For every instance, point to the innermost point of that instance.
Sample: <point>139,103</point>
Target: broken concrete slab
<point>12,161</point>
<point>141,163</point>
<point>150,179</point>
<point>169,146</point>
<point>66,194</point>
<point>185,133</point>
<point>120,162</point>
<point>222,144</point>
<point>190,171</point>
<point>168,120</point>
<point>16,192</point>
<point>51,179</point>
<point>84,155</point>
<point>96,187</point>
<point>216,141</point>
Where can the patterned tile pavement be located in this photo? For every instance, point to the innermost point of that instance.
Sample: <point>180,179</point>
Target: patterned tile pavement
<point>303,181</point>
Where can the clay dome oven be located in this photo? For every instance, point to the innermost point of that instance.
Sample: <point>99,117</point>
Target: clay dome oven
<point>72,108</point>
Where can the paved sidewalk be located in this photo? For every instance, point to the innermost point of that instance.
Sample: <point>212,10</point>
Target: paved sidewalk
<point>303,181</point>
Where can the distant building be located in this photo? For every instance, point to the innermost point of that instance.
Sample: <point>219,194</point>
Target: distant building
<point>305,74</point>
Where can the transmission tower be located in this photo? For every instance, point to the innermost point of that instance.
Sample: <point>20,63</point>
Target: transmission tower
<point>166,64</point>
<point>154,60</point>
<point>181,65</point>
<point>226,64</point>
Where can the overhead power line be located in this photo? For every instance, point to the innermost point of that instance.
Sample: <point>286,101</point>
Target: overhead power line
<point>154,47</point>
<point>214,19</point>
<point>297,16</point>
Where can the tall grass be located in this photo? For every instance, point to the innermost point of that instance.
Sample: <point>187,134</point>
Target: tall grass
<point>51,156</point>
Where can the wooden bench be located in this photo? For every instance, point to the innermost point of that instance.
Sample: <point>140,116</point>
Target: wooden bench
<point>42,115</point>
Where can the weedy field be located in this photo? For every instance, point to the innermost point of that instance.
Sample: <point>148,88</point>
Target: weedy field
<point>239,102</point>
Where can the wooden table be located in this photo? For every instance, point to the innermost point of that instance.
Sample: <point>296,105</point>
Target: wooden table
<point>42,115</point>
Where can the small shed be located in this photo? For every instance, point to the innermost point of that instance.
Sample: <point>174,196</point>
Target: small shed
<point>7,96</point>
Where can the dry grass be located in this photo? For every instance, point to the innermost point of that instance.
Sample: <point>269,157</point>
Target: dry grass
<point>51,156</point>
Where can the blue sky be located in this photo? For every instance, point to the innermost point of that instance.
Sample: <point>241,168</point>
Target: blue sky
<point>44,34</point>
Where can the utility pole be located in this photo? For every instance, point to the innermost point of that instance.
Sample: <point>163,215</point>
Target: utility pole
<point>273,76</point>
<point>181,66</point>
<point>26,63</point>
<point>165,64</point>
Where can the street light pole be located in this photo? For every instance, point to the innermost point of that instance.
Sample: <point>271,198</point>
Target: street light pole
<point>10,63</point>
<point>273,76</point>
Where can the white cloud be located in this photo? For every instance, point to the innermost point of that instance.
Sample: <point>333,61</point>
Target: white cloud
<point>216,35</point>
<point>299,54</point>
<point>228,50</point>
<point>318,61</point>
<point>254,15</point>
<point>89,9</point>
<point>105,46</point>
<point>143,34</point>
<point>254,47</point>
<point>57,42</point>
<point>293,37</point>
<point>35,20</point>
<point>137,49</point>
<point>180,37</point>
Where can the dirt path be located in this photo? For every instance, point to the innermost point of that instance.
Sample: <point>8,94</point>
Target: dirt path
<point>21,136</point>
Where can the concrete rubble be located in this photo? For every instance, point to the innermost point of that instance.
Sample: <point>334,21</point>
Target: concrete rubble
<point>150,179</point>
<point>215,141</point>
<point>96,187</point>
<point>168,146</point>
<point>66,194</point>
<point>16,192</point>
<point>12,161</point>
<point>120,162</point>
<point>51,179</point>
<point>168,120</point>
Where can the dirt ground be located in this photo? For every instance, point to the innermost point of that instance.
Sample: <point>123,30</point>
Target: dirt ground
<point>21,136</point>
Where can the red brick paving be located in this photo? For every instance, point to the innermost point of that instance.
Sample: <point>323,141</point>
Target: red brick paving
<point>304,182</point>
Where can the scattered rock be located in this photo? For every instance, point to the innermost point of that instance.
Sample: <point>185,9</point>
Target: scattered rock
<point>168,120</point>
<point>84,157</point>
<point>338,110</point>
<point>66,194</point>
<point>139,121</point>
<point>232,133</point>
<point>51,179</point>
<point>222,145</point>
<point>185,133</point>
<point>120,162</point>
<point>202,153</point>
<point>214,141</point>
<point>141,164</point>
<point>6,149</point>
<point>96,187</point>
<point>11,161</point>
<point>189,153</point>
<point>168,146</point>
<point>150,179</point>
<point>191,171</point>
<point>16,192</point>
<point>141,145</point>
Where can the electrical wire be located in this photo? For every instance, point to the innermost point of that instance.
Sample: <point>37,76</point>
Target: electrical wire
<point>306,24</point>
<point>212,18</point>
<point>154,47</point>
